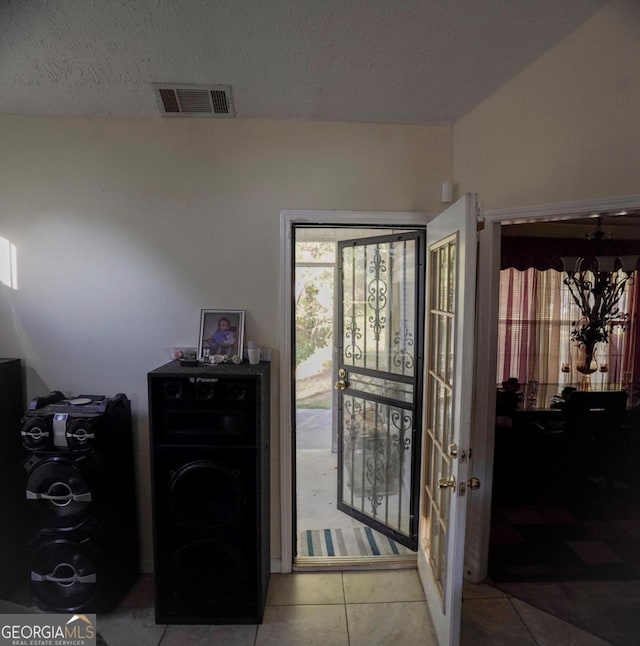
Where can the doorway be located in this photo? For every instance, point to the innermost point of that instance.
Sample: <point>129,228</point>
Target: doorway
<point>541,531</point>
<point>565,600</point>
<point>477,539</point>
<point>327,534</point>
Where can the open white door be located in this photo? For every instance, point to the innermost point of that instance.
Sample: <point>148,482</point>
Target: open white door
<point>449,370</point>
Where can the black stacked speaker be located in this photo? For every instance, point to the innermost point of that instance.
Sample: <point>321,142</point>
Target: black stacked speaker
<point>209,431</point>
<point>80,490</point>
<point>14,526</point>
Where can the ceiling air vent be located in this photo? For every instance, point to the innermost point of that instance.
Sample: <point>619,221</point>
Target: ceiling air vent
<point>194,100</point>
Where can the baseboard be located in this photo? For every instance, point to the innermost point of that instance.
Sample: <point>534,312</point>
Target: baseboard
<point>146,566</point>
<point>276,565</point>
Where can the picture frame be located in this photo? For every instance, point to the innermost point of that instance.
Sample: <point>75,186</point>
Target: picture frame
<point>221,333</point>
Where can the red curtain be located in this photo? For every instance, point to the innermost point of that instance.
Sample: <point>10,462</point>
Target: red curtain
<point>529,324</point>
<point>630,349</point>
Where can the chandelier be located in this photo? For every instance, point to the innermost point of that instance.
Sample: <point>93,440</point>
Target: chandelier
<point>596,287</point>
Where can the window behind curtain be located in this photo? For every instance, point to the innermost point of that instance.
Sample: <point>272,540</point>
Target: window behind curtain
<point>534,326</point>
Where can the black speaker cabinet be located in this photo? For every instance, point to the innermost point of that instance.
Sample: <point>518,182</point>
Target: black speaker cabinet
<point>79,486</point>
<point>209,431</point>
<point>13,529</point>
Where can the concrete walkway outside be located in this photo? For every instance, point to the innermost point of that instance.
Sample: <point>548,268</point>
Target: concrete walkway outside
<point>317,474</point>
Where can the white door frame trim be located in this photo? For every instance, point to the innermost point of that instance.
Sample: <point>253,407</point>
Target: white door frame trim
<point>563,210</point>
<point>479,509</point>
<point>288,218</point>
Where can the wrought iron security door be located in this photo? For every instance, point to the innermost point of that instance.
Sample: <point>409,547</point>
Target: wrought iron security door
<point>379,380</point>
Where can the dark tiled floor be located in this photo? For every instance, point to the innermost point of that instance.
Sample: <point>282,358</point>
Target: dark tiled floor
<point>573,552</point>
<point>549,537</point>
<point>610,609</point>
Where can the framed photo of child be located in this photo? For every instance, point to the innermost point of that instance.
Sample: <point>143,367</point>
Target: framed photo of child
<point>221,333</point>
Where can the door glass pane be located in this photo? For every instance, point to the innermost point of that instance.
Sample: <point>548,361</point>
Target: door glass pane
<point>442,345</point>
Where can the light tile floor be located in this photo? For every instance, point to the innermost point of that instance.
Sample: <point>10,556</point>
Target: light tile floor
<point>348,608</point>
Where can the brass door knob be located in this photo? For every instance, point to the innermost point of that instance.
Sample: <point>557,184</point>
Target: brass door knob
<point>447,483</point>
<point>341,384</point>
<point>474,483</point>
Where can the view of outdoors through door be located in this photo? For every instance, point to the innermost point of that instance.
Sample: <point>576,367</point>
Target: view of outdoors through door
<point>322,531</point>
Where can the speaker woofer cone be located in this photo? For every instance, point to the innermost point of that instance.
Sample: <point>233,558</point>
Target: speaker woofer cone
<point>63,574</point>
<point>37,433</point>
<point>81,433</point>
<point>205,496</point>
<point>60,493</point>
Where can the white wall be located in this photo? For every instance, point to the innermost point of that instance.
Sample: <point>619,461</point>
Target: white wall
<point>567,127</point>
<point>126,228</point>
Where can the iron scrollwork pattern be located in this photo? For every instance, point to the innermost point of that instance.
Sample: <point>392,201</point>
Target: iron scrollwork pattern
<point>375,469</point>
<point>403,341</point>
<point>402,357</point>
<point>352,334</point>
<point>353,408</point>
<point>377,293</point>
<point>401,420</point>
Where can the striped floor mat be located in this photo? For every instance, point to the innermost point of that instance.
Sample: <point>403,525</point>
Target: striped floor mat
<point>354,541</point>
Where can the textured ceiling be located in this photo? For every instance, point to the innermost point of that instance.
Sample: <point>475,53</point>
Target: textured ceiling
<point>395,61</point>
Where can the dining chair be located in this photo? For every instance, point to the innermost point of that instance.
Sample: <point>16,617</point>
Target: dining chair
<point>593,433</point>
